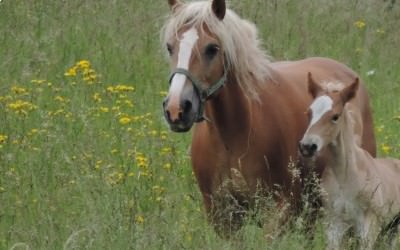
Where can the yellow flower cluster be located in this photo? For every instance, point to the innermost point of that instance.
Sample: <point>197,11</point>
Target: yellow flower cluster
<point>120,88</point>
<point>21,107</point>
<point>143,163</point>
<point>85,69</point>
<point>19,90</point>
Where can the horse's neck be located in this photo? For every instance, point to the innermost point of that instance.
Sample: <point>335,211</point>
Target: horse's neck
<point>230,113</point>
<point>344,151</point>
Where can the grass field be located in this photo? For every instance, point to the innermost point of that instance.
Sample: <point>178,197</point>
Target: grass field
<point>86,160</point>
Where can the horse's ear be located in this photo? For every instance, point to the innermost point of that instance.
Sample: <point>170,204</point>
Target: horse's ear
<point>174,4</point>
<point>313,88</point>
<point>350,91</point>
<point>219,8</point>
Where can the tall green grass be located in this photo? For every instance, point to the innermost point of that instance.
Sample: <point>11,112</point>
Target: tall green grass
<point>91,164</point>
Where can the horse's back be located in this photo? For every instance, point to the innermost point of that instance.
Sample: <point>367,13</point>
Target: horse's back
<point>323,69</point>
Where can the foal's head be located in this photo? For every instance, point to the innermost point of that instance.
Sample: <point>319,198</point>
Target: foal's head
<point>325,114</point>
<point>196,59</point>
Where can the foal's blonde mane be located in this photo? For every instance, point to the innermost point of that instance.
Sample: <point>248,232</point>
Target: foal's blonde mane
<point>330,86</point>
<point>348,126</point>
<point>349,116</point>
<point>246,60</point>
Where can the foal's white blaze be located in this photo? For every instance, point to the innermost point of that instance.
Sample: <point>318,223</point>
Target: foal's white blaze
<point>319,107</point>
<point>189,39</point>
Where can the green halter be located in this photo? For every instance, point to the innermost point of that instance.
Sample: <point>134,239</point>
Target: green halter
<point>204,93</point>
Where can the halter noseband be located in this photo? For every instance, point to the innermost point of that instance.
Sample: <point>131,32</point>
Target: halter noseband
<point>203,93</point>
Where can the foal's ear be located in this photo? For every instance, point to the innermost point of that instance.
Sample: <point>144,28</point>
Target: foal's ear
<point>174,4</point>
<point>313,88</point>
<point>350,91</point>
<point>219,8</point>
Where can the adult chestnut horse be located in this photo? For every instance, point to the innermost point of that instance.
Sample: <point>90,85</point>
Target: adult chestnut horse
<point>249,113</point>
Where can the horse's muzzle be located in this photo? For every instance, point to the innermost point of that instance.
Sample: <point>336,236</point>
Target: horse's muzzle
<point>181,118</point>
<point>308,150</point>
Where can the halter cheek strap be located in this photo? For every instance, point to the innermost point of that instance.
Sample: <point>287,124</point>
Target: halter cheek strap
<point>204,93</point>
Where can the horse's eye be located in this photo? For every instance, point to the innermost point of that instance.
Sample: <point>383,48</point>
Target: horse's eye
<point>170,50</point>
<point>335,118</point>
<point>211,51</point>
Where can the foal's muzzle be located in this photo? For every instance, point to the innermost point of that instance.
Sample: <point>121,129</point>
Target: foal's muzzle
<point>308,150</point>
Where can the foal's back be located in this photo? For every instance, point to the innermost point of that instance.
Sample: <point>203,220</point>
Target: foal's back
<point>388,169</point>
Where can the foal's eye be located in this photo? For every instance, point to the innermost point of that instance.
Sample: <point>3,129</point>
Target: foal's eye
<point>335,118</point>
<point>211,50</point>
<point>170,50</point>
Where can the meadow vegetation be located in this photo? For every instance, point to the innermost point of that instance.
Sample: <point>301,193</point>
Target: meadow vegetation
<point>86,159</point>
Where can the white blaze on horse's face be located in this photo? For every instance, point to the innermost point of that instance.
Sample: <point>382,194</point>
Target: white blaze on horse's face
<point>312,141</point>
<point>186,45</point>
<point>319,107</point>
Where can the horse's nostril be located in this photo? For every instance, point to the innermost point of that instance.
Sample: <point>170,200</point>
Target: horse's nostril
<point>187,106</point>
<point>308,150</point>
<point>168,115</point>
<point>164,103</point>
<point>313,147</point>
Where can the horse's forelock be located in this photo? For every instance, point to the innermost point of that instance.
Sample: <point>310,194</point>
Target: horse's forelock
<point>239,39</point>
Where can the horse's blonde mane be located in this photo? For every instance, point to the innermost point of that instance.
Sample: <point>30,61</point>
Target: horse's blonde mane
<point>246,60</point>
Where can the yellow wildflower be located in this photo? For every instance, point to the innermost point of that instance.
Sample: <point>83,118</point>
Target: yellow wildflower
<point>141,160</point>
<point>166,150</point>
<point>124,120</point>
<point>167,166</point>
<point>3,138</point>
<point>386,148</point>
<point>139,219</point>
<point>128,103</point>
<point>97,97</point>
<point>359,24</point>
<point>71,71</point>
<point>33,132</point>
<point>60,99</point>
<point>98,164</point>
<point>104,109</point>
<point>84,64</point>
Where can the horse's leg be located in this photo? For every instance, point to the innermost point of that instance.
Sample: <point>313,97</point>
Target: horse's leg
<point>335,231</point>
<point>393,237</point>
<point>368,230</point>
<point>226,211</point>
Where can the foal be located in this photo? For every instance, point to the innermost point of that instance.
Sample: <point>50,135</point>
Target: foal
<point>359,192</point>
